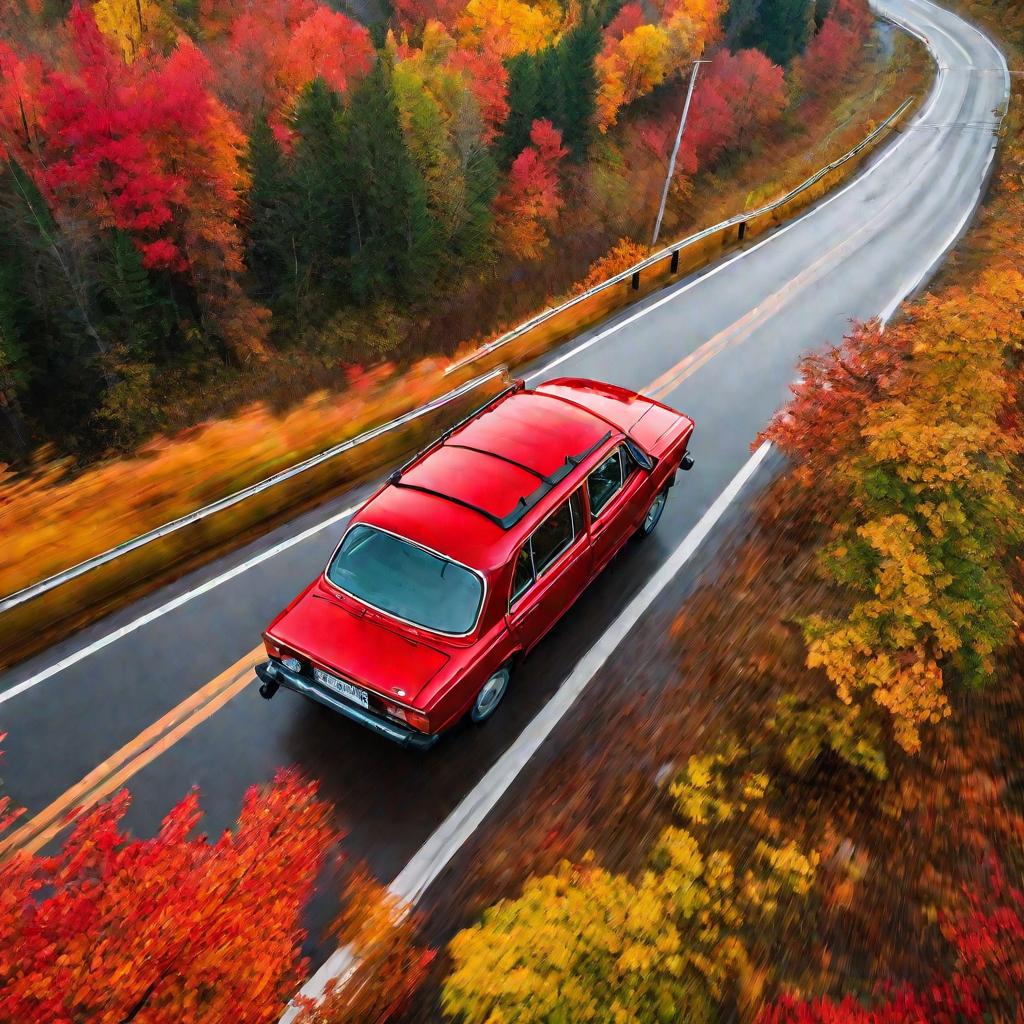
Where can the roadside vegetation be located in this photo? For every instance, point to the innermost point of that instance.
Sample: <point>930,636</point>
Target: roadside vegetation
<point>811,813</point>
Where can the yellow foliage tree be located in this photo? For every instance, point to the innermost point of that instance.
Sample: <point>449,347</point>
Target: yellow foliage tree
<point>129,23</point>
<point>629,68</point>
<point>933,506</point>
<point>509,27</point>
<point>584,944</point>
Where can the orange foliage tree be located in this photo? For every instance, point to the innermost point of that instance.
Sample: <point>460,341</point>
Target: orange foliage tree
<point>508,27</point>
<point>388,965</point>
<point>169,930</point>
<point>629,67</point>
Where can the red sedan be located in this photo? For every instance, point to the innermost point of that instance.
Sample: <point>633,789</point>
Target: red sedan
<point>449,575</point>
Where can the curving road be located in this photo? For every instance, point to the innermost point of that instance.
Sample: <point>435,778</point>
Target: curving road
<point>721,345</point>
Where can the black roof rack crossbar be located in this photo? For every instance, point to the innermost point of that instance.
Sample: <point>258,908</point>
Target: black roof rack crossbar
<point>497,455</point>
<point>548,483</point>
<point>525,503</point>
<point>456,501</point>
<point>516,385</point>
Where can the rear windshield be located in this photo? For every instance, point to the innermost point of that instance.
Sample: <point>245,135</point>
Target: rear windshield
<point>407,581</point>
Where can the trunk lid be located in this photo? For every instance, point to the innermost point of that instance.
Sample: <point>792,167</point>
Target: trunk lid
<point>358,644</point>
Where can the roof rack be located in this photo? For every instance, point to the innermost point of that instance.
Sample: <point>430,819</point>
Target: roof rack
<point>516,385</point>
<point>525,503</point>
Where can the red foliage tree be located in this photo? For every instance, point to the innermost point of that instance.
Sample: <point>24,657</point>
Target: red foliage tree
<point>939,1004</point>
<point>169,930</point>
<point>530,200</point>
<point>985,985</point>
<point>145,148</point>
<point>487,77</point>
<point>271,50</point>
<point>831,53</point>
<point>630,17</point>
<point>738,95</point>
<point>989,940</point>
<point>330,46</point>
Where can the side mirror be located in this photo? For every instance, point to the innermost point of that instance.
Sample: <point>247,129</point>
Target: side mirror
<point>640,457</point>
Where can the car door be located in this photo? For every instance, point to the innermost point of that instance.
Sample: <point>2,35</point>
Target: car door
<point>551,570</point>
<point>612,488</point>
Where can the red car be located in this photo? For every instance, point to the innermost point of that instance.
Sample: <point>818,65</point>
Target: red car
<point>471,552</point>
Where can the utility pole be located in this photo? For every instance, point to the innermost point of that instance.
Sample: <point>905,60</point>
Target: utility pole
<point>675,150</point>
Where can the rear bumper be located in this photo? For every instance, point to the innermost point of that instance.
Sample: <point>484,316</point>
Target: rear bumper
<point>273,675</point>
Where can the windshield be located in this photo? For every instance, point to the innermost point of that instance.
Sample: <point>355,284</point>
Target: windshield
<point>407,581</point>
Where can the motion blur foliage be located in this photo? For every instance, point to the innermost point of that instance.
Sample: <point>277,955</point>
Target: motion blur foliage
<point>106,929</point>
<point>191,192</point>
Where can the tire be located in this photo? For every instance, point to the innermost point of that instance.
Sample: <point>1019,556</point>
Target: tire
<point>491,694</point>
<point>653,514</point>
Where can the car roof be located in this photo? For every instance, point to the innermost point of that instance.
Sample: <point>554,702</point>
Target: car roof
<point>476,493</point>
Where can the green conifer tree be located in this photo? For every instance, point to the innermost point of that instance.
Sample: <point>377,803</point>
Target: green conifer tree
<point>269,221</point>
<point>577,52</point>
<point>136,315</point>
<point>781,28</point>
<point>523,98</point>
<point>395,241</point>
<point>316,215</point>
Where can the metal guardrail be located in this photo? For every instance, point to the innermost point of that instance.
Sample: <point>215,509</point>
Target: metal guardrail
<point>672,251</point>
<point>59,579</point>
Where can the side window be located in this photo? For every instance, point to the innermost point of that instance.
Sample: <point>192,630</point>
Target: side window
<point>604,481</point>
<point>552,537</point>
<point>522,579</point>
<point>546,543</point>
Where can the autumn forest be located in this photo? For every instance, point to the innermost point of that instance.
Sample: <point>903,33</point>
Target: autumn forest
<point>192,190</point>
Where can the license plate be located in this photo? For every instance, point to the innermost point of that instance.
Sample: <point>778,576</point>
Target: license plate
<point>339,686</point>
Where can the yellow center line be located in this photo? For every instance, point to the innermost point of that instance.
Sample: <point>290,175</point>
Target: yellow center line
<point>742,329</point>
<point>114,772</point>
<point>109,776</point>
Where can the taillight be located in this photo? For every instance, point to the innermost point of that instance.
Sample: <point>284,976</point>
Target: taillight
<point>282,654</point>
<point>418,721</point>
<point>411,718</point>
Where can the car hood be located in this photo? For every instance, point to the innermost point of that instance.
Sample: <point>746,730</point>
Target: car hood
<point>342,635</point>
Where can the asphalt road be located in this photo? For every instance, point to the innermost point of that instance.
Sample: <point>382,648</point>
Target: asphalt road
<point>722,346</point>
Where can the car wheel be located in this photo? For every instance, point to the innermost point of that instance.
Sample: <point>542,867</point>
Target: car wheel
<point>491,695</point>
<point>653,516</point>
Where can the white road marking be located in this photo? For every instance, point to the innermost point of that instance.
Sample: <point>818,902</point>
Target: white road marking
<point>435,854</point>
<point>142,620</point>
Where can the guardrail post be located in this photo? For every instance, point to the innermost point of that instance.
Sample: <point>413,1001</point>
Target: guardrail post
<point>675,262</point>
<point>636,281</point>
<point>743,229</point>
